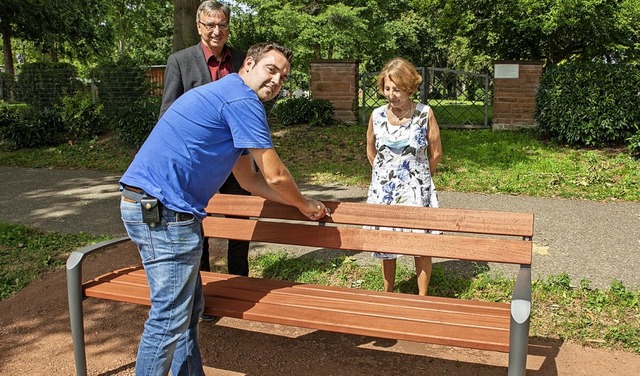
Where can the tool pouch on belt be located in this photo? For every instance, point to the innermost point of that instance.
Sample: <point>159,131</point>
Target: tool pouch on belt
<point>150,210</point>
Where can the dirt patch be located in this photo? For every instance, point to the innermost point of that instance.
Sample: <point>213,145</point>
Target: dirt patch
<point>36,340</point>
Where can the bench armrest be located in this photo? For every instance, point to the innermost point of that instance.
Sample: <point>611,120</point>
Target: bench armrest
<point>76,257</point>
<point>74,292</point>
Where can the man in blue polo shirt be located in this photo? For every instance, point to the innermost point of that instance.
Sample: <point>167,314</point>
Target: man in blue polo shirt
<point>207,133</point>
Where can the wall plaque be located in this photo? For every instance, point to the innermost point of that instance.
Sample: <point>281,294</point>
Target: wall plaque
<point>507,71</point>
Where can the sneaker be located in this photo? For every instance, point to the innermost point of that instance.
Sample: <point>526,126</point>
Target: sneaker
<point>209,318</point>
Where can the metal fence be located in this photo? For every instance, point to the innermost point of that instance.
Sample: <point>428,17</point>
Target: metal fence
<point>459,99</point>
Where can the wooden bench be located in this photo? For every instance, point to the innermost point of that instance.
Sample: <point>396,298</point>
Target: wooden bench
<point>485,236</point>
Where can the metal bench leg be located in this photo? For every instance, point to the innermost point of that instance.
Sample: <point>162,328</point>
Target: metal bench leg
<point>520,318</point>
<point>74,291</point>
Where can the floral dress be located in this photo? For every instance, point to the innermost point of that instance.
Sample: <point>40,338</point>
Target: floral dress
<point>400,174</point>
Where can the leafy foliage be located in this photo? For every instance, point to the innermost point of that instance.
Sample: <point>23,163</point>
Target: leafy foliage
<point>120,83</point>
<point>299,110</point>
<point>133,122</point>
<point>553,30</point>
<point>634,144</point>
<point>81,118</point>
<point>592,104</point>
<point>33,128</point>
<point>45,84</point>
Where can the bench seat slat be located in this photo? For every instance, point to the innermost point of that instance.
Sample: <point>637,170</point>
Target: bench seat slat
<point>357,239</point>
<point>425,332</point>
<point>252,289</point>
<point>443,219</point>
<point>301,305</point>
<point>455,315</point>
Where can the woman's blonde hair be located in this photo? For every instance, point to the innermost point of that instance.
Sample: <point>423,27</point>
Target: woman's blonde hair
<point>402,73</point>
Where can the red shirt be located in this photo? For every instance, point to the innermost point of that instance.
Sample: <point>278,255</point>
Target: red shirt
<point>218,69</point>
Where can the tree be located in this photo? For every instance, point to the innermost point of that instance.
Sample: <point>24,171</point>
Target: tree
<point>70,27</point>
<point>184,17</point>
<point>554,30</point>
<point>141,29</point>
<point>15,22</point>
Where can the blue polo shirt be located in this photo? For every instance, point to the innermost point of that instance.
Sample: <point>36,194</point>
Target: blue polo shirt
<point>192,149</point>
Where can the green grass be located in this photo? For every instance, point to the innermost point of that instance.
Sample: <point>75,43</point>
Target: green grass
<point>27,254</point>
<point>483,161</point>
<point>588,316</point>
<point>106,155</point>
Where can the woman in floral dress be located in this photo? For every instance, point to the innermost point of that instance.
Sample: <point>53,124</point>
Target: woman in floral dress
<point>404,149</point>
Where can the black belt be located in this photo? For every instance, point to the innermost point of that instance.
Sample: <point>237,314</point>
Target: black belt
<point>137,194</point>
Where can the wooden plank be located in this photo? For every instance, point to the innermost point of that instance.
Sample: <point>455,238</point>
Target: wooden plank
<point>437,333</point>
<point>119,292</point>
<point>331,308</point>
<point>265,286</point>
<point>443,219</point>
<point>133,288</point>
<point>252,289</point>
<point>357,239</point>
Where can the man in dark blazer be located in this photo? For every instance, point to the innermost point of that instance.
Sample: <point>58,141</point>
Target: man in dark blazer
<point>208,61</point>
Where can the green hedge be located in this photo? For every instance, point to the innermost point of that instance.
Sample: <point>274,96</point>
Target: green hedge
<point>45,84</point>
<point>304,110</point>
<point>592,104</point>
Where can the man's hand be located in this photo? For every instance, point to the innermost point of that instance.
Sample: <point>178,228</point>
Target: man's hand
<point>315,210</point>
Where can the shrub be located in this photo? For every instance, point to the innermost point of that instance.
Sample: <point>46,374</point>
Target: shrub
<point>7,84</point>
<point>633,143</point>
<point>298,110</point>
<point>591,104</point>
<point>134,122</point>
<point>120,84</point>
<point>46,84</point>
<point>10,112</point>
<point>34,127</point>
<point>81,118</point>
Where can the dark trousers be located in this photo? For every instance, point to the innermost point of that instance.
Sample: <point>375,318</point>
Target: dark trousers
<point>238,251</point>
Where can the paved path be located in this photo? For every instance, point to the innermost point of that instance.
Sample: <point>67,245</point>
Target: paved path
<point>592,240</point>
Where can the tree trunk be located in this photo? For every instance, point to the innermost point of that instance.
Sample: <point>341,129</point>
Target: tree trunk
<point>53,52</point>
<point>185,33</point>
<point>6,47</point>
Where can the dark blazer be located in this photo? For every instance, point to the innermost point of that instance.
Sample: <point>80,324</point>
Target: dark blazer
<point>187,69</point>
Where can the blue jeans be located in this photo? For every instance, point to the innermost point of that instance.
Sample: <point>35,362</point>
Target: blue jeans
<point>170,253</point>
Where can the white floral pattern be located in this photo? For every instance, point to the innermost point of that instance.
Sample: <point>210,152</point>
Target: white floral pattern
<point>400,174</point>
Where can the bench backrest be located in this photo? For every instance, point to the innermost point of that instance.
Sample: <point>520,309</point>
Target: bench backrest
<point>489,236</point>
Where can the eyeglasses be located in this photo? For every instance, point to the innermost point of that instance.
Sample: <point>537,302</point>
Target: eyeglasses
<point>212,26</point>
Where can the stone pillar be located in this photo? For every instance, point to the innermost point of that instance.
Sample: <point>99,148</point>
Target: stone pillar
<point>337,81</point>
<point>515,85</point>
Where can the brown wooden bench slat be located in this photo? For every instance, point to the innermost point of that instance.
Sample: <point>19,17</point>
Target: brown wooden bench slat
<point>418,314</point>
<point>357,239</point>
<point>306,310</point>
<point>439,333</point>
<point>137,277</point>
<point>266,285</point>
<point>240,287</point>
<point>453,220</point>
<point>132,288</point>
<point>224,285</point>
